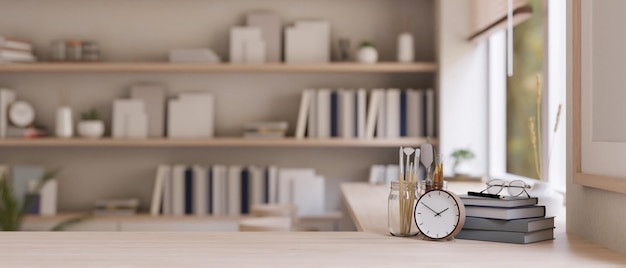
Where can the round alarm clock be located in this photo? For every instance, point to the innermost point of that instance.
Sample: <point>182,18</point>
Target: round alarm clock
<point>439,214</point>
<point>21,113</point>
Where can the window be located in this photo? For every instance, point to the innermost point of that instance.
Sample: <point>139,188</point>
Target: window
<point>514,113</point>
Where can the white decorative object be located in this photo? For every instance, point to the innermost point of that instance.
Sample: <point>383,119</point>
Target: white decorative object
<point>405,47</point>
<point>367,54</point>
<point>254,51</point>
<point>239,36</point>
<point>548,197</point>
<point>308,42</point>
<point>64,122</point>
<point>123,110</point>
<point>90,128</point>
<point>21,114</point>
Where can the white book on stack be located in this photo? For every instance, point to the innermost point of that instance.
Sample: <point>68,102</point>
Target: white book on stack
<point>11,43</point>
<point>7,96</point>
<point>234,190</point>
<point>323,113</point>
<point>308,195</point>
<point>12,55</point>
<point>430,112</point>
<point>178,190</point>
<point>361,112</point>
<point>200,190</point>
<point>272,179</point>
<point>257,185</point>
<point>312,115</point>
<point>48,198</point>
<point>305,102</point>
<point>158,198</point>
<point>348,114</point>
<point>285,177</point>
<point>373,112</point>
<point>199,55</point>
<point>220,190</point>
<point>381,124</point>
<point>392,106</point>
<point>415,118</point>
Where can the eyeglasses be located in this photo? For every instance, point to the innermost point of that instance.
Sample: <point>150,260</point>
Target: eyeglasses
<point>515,188</point>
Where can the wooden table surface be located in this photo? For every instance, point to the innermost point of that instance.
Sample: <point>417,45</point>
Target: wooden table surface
<point>367,205</point>
<point>296,249</point>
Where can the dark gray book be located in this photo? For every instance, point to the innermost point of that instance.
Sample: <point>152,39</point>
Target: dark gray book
<point>505,213</point>
<point>506,237</point>
<point>506,202</point>
<point>519,225</point>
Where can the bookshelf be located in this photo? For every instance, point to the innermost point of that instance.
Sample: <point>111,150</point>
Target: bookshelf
<point>106,168</point>
<point>162,67</point>
<point>215,142</point>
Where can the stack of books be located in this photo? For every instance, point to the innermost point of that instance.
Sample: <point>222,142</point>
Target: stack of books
<point>13,50</point>
<point>266,130</point>
<point>516,220</point>
<point>116,207</point>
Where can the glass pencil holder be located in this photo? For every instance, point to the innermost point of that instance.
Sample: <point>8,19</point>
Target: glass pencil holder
<point>428,185</point>
<point>401,202</point>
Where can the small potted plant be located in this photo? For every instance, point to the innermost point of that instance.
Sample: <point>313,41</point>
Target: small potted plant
<point>91,125</point>
<point>459,157</point>
<point>367,53</point>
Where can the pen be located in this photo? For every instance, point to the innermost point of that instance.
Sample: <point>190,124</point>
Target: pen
<point>485,195</point>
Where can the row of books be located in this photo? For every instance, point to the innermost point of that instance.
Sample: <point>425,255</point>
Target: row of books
<point>24,180</point>
<point>233,190</point>
<point>509,220</point>
<point>382,113</point>
<point>14,50</point>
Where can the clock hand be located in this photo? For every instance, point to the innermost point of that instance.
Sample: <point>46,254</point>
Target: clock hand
<point>430,209</point>
<point>439,214</point>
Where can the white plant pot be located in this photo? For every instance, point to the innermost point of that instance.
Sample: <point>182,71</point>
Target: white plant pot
<point>367,55</point>
<point>548,197</point>
<point>91,128</point>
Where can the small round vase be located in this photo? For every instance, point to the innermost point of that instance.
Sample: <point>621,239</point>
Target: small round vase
<point>91,128</point>
<point>548,197</point>
<point>367,54</point>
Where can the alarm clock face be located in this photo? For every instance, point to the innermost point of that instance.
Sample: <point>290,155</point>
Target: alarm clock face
<point>21,113</point>
<point>439,214</point>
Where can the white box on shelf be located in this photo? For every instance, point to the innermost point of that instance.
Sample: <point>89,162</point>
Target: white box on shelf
<point>308,194</point>
<point>320,41</point>
<point>122,110</point>
<point>271,32</point>
<point>203,55</point>
<point>137,126</point>
<point>254,51</point>
<point>238,36</point>
<point>202,105</point>
<point>154,102</point>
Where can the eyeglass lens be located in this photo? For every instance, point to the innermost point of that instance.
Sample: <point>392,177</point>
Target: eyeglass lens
<point>516,187</point>
<point>495,186</point>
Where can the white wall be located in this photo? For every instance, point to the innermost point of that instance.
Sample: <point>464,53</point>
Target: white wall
<point>462,86</point>
<point>593,214</point>
<point>144,30</point>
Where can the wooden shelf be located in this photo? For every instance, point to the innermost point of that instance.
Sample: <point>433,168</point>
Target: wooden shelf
<point>213,142</point>
<point>164,67</point>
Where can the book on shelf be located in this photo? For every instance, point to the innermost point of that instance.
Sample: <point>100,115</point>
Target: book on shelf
<point>505,202</point>
<point>517,225</point>
<point>233,190</point>
<point>266,129</point>
<point>15,44</point>
<point>506,237</point>
<point>26,132</point>
<point>116,207</point>
<point>505,213</point>
<point>11,55</point>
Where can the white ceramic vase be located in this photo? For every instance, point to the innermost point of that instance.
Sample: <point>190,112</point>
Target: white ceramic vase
<point>91,128</point>
<point>548,197</point>
<point>64,126</point>
<point>367,54</point>
<point>405,47</point>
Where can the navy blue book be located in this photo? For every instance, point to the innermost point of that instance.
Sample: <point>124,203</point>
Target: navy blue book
<point>34,207</point>
<point>210,190</point>
<point>188,191</point>
<point>245,191</point>
<point>403,112</point>
<point>334,114</point>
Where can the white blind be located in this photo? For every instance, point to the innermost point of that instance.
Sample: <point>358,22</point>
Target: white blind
<point>489,16</point>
